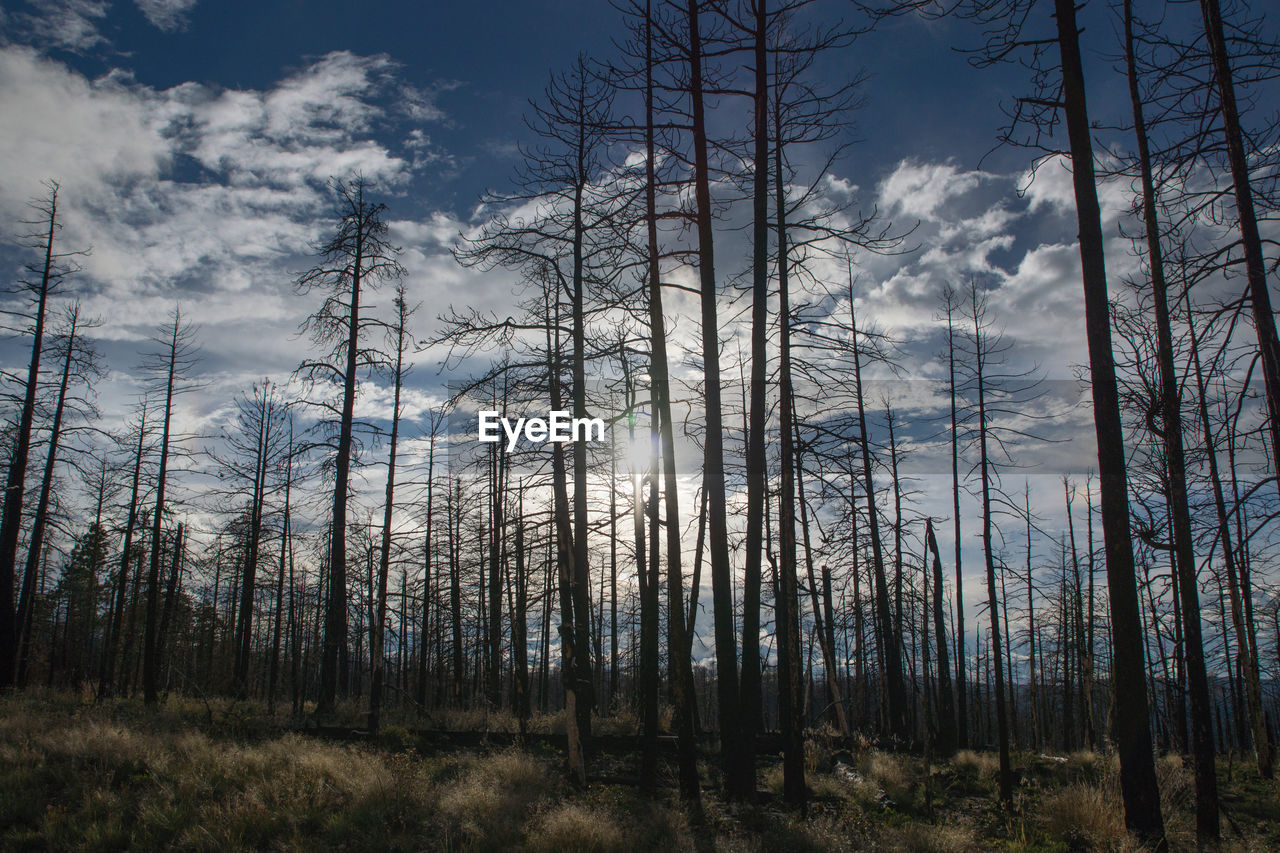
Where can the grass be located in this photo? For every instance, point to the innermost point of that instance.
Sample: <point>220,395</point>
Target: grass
<point>192,775</point>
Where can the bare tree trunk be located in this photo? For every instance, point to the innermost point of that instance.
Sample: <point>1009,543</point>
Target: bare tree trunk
<point>821,619</point>
<point>1253,689</point>
<point>681,684</point>
<point>26,605</point>
<point>244,624</point>
<point>1254,263</point>
<point>1132,729</point>
<point>757,476</point>
<point>787,606</point>
<point>106,685</point>
<point>427,578</point>
<point>175,579</point>
<point>739,779</point>
<point>285,534</point>
<point>15,484</point>
<point>988,549</point>
<point>379,626</point>
<point>889,646</point>
<point>962,708</point>
<point>151,641</point>
<point>1207,827</point>
<point>946,739</point>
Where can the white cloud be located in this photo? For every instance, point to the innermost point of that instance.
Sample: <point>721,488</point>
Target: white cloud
<point>919,190</point>
<point>87,134</point>
<point>167,15</point>
<point>64,24</point>
<point>203,197</point>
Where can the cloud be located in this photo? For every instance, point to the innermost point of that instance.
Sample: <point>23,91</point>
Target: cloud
<point>167,15</point>
<point>205,197</point>
<point>87,134</point>
<point>70,25</point>
<point>920,190</point>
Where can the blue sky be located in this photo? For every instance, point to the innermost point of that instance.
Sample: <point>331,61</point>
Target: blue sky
<point>193,138</point>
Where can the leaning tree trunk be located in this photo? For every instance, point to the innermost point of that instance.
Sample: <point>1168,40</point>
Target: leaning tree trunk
<point>1179,512</point>
<point>26,606</point>
<point>1254,263</point>
<point>1264,324</point>
<point>819,602</point>
<point>15,488</point>
<point>106,682</point>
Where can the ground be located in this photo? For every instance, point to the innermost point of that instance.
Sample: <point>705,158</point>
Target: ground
<point>217,775</point>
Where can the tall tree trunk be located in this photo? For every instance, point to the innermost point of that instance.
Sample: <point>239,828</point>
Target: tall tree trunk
<point>962,712</point>
<point>376,656</point>
<point>427,579</point>
<point>26,606</point>
<point>152,640</point>
<point>895,696</point>
<point>244,625</point>
<point>15,484</point>
<point>739,779</point>
<point>1132,729</point>
<point>285,534</point>
<point>175,580</point>
<point>1207,827</point>
<point>575,675</point>
<point>107,682</point>
<point>757,476</point>
<point>333,664</point>
<point>988,549</point>
<point>682,696</point>
<point>1069,638</point>
<point>1264,749</point>
<point>520,621</point>
<point>946,739</point>
<point>822,616</point>
<point>1254,263</point>
<point>787,605</point>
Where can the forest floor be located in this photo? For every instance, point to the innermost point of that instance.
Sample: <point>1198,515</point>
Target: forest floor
<point>218,775</point>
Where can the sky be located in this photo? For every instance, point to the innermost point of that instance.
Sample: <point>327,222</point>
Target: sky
<point>192,141</point>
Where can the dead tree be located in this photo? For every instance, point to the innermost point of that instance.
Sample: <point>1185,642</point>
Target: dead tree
<point>170,367</point>
<point>355,259</point>
<point>48,275</point>
<point>398,333</point>
<point>1176,474</point>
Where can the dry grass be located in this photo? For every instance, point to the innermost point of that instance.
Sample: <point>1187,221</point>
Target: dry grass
<point>571,828</point>
<point>493,798</point>
<point>212,776</point>
<point>1085,818</point>
<point>922,837</point>
<point>982,764</point>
